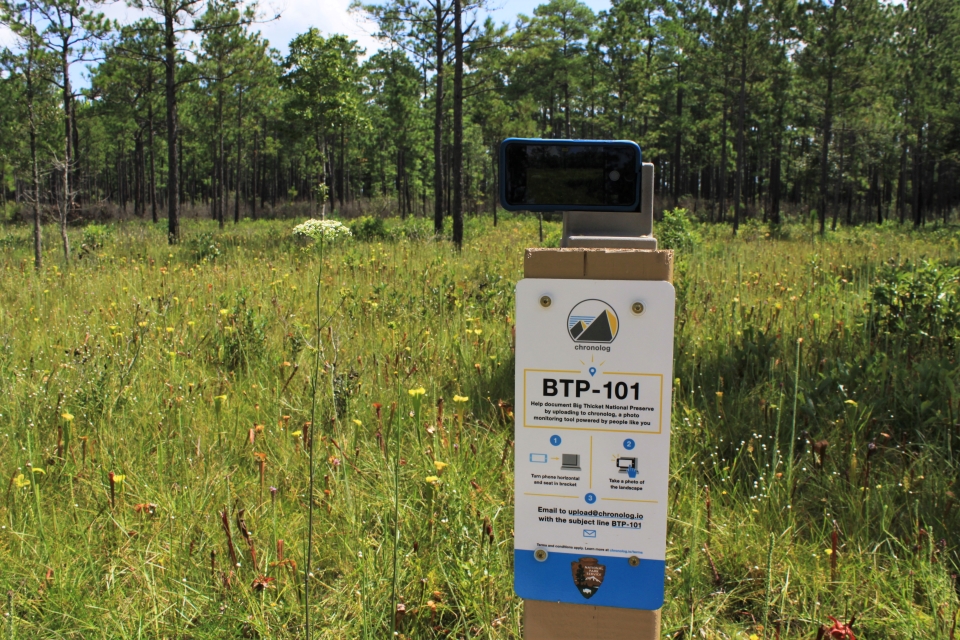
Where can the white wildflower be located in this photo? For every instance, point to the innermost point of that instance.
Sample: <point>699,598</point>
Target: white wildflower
<point>327,230</point>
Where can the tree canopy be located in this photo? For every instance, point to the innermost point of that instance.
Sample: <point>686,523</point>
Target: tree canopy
<point>847,111</point>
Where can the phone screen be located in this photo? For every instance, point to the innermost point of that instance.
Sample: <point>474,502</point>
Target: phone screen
<point>570,175</point>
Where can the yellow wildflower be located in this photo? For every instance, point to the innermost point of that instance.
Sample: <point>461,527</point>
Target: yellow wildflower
<point>357,422</point>
<point>296,434</point>
<point>432,479</point>
<point>417,392</point>
<point>37,470</point>
<point>223,312</point>
<point>118,478</point>
<point>440,465</point>
<point>21,482</point>
<point>460,398</point>
<point>67,416</point>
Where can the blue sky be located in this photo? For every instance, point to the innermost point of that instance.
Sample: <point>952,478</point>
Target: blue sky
<point>330,16</point>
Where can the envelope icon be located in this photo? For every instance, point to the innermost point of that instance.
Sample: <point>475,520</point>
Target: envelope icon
<point>589,533</point>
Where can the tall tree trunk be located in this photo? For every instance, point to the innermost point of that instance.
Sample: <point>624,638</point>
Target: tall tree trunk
<point>276,181</point>
<point>917,178</point>
<point>398,183</point>
<point>221,163</point>
<point>838,185</point>
<point>722,187</point>
<point>137,181</point>
<point>255,178</point>
<point>458,126</point>
<point>173,159</point>
<point>678,141</point>
<point>34,166</point>
<point>341,174</point>
<point>741,117</point>
<point>121,178</point>
<point>66,196</point>
<point>775,184</point>
<point>181,182</point>
<point>438,126</point>
<point>878,185</point>
<point>153,172</point>
<point>826,131</point>
<point>902,180</point>
<point>236,200</point>
<point>496,184</point>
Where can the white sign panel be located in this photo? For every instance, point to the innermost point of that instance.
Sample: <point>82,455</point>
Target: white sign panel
<point>593,387</point>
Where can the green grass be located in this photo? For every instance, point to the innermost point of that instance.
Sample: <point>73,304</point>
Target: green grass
<point>167,359</point>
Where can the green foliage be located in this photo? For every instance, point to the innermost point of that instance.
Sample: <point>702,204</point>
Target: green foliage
<point>95,235</point>
<point>204,246</point>
<point>411,229</point>
<point>676,231</point>
<point>552,236</point>
<point>917,304</point>
<point>241,333</point>
<point>172,357</point>
<point>368,228</point>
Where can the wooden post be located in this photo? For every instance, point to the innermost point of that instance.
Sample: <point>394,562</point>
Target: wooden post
<point>557,620</point>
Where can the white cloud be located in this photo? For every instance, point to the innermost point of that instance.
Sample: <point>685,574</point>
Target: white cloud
<point>7,39</point>
<point>329,16</point>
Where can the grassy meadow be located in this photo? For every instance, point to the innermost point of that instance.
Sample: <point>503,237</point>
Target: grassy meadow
<point>156,411</point>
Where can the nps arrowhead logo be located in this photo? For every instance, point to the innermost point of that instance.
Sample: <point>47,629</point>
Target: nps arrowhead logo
<point>588,576</point>
<point>593,321</point>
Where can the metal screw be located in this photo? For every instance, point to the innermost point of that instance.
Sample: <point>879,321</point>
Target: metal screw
<point>540,554</point>
<point>637,308</point>
<point>634,561</point>
<point>545,301</point>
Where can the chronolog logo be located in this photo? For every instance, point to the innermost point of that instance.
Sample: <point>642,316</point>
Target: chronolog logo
<point>593,321</point>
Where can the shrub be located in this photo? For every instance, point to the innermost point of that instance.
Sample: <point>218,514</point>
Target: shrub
<point>94,236</point>
<point>413,229</point>
<point>676,230</point>
<point>204,247</point>
<point>368,228</point>
<point>919,304</point>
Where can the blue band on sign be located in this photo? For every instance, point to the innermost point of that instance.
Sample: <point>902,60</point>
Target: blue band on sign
<point>622,586</point>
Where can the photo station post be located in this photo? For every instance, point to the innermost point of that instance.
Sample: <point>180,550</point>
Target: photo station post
<point>594,366</point>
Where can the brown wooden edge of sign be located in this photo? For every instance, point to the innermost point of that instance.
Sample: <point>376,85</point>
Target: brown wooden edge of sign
<point>557,620</point>
<point>598,264</point>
